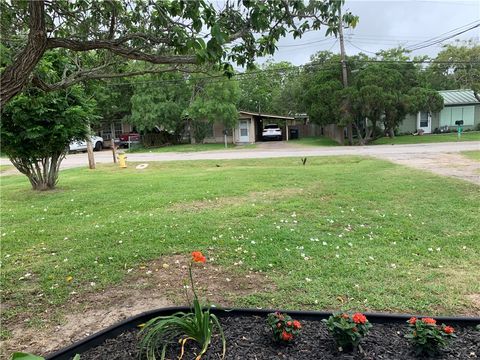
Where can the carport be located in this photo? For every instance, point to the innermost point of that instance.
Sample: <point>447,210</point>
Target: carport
<point>259,120</point>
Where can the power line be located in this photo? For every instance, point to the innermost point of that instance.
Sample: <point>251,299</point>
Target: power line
<point>437,39</point>
<point>363,50</point>
<point>251,74</point>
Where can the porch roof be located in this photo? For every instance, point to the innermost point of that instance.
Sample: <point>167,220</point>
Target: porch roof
<point>263,115</point>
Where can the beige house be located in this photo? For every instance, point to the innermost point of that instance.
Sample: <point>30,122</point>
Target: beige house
<point>249,127</point>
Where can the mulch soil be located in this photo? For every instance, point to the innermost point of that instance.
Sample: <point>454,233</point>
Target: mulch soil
<point>248,338</point>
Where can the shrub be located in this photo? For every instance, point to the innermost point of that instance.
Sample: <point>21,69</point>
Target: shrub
<point>284,328</point>
<point>347,329</point>
<point>428,337</point>
<point>197,325</point>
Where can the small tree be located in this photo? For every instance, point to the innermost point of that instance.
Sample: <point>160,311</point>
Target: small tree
<point>37,128</point>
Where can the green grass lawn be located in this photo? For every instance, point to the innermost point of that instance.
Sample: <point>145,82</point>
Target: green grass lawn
<point>192,148</point>
<point>428,138</point>
<point>315,141</point>
<point>339,232</point>
<point>474,155</point>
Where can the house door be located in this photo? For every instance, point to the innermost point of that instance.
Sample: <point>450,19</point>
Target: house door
<point>243,127</point>
<point>424,121</point>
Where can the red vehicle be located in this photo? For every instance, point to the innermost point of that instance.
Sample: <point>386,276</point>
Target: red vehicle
<point>129,138</point>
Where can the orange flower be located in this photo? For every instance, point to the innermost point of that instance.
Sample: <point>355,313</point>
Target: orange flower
<point>198,257</point>
<point>286,336</point>
<point>359,318</point>
<point>429,321</point>
<point>412,320</point>
<point>345,316</point>
<point>296,324</point>
<point>448,330</point>
<point>289,323</point>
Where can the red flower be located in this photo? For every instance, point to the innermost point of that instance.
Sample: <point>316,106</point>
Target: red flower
<point>198,257</point>
<point>359,318</point>
<point>296,324</point>
<point>448,330</point>
<point>429,321</point>
<point>286,336</point>
<point>279,325</point>
<point>289,323</point>
<point>412,320</point>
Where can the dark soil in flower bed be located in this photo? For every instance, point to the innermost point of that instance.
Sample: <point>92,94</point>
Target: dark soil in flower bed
<point>248,338</point>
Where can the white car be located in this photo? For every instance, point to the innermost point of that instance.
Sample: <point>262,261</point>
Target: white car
<point>97,143</point>
<point>272,131</point>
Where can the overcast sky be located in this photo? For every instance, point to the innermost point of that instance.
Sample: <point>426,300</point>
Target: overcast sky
<point>385,24</point>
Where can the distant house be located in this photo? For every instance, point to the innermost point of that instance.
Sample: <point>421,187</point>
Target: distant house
<point>459,105</point>
<point>249,127</point>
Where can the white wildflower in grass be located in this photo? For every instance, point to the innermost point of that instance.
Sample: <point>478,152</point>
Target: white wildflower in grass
<point>253,242</point>
<point>271,265</point>
<point>393,266</point>
<point>430,249</point>
<point>93,283</point>
<point>148,272</point>
<point>308,279</point>
<point>324,243</point>
<point>337,256</point>
<point>371,258</point>
<point>438,249</point>
<point>350,244</point>
<point>228,279</point>
<point>278,227</point>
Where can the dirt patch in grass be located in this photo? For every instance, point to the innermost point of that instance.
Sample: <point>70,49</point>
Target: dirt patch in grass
<point>159,283</point>
<point>452,165</point>
<point>475,300</point>
<point>220,202</point>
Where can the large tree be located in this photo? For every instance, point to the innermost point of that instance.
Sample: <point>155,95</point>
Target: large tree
<point>173,33</point>
<point>457,66</point>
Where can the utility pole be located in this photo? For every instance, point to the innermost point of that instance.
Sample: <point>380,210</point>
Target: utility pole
<point>344,67</point>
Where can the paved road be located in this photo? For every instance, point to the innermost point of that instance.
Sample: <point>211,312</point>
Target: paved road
<point>405,154</point>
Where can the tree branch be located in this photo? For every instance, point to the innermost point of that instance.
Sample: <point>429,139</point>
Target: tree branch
<point>95,74</point>
<point>115,47</point>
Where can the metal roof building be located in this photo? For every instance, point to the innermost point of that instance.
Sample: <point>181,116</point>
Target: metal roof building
<point>458,97</point>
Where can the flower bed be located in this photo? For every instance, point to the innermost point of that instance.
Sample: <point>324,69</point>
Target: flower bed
<point>249,337</point>
<point>255,334</point>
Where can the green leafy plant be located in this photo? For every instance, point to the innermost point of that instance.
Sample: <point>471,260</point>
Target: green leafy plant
<point>27,356</point>
<point>197,325</point>
<point>428,337</point>
<point>347,329</point>
<point>284,328</point>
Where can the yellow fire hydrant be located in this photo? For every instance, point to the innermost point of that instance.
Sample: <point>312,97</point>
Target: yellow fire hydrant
<point>122,160</point>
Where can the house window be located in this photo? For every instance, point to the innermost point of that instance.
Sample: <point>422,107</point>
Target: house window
<point>105,130</point>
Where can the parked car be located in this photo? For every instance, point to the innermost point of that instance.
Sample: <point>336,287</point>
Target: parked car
<point>124,139</point>
<point>97,143</point>
<point>272,132</point>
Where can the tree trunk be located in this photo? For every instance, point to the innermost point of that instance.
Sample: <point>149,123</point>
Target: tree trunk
<point>16,75</point>
<point>91,158</point>
<point>42,173</point>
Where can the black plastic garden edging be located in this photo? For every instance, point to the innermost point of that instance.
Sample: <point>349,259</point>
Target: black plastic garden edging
<point>114,330</point>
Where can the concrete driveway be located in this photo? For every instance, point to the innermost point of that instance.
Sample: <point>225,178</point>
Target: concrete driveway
<point>440,158</point>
